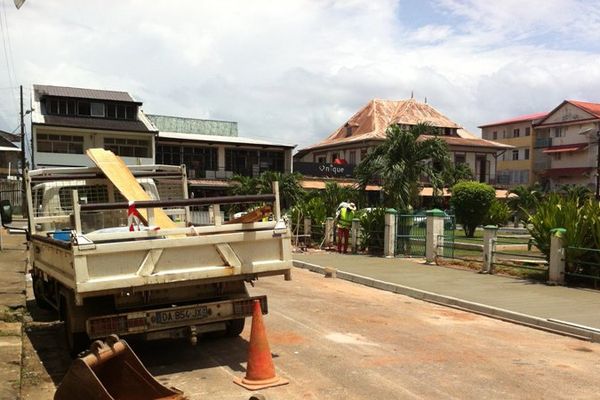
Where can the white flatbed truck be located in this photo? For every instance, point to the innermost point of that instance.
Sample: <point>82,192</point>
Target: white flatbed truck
<point>179,282</point>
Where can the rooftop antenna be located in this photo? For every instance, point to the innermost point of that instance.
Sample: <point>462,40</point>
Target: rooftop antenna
<point>425,99</point>
<point>412,94</point>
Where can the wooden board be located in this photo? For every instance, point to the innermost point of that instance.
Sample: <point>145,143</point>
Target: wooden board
<point>253,216</point>
<point>117,172</point>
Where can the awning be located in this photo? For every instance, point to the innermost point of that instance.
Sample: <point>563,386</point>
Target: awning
<point>6,148</point>
<point>566,148</point>
<point>555,172</point>
<point>320,185</point>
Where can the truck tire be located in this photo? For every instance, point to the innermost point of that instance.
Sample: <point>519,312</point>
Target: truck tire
<point>38,293</point>
<point>76,341</point>
<point>235,327</point>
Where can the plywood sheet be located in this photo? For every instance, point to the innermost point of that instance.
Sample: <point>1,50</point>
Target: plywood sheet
<point>117,172</point>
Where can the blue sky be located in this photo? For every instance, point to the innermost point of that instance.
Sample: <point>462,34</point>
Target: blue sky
<point>295,70</point>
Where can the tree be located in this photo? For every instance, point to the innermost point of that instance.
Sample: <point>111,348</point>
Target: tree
<point>455,173</point>
<point>471,202</point>
<point>524,200</point>
<point>290,191</point>
<point>401,161</point>
<point>334,194</point>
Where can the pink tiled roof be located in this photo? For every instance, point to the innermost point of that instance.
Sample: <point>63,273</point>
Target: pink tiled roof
<point>521,118</point>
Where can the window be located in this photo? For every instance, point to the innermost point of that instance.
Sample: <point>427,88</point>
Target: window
<point>526,154</point>
<point>557,156</point>
<point>253,162</point>
<point>52,106</point>
<point>516,132</point>
<point>515,155</point>
<point>348,130</point>
<point>527,131</point>
<point>460,159</point>
<point>83,108</point>
<point>363,154</point>
<point>53,143</point>
<point>557,132</point>
<point>352,157</point>
<point>128,147</point>
<point>321,159</point>
<point>334,156</point>
<point>111,111</point>
<point>494,135</point>
<point>97,109</point>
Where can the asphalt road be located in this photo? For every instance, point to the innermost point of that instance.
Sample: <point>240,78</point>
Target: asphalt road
<point>337,340</point>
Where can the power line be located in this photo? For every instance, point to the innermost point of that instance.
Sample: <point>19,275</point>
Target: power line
<point>8,52</point>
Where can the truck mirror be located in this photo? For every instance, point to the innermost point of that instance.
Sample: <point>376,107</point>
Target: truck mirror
<point>6,212</point>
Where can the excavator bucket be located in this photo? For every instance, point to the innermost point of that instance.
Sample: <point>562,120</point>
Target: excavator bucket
<point>112,371</point>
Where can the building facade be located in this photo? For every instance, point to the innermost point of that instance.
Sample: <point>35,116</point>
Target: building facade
<point>10,155</point>
<point>67,121</point>
<point>367,128</point>
<point>213,152</point>
<point>566,145</point>
<point>515,166</point>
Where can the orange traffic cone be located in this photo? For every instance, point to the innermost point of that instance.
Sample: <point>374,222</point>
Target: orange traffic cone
<point>260,373</point>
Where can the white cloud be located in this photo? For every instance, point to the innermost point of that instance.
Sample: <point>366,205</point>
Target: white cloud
<point>294,71</point>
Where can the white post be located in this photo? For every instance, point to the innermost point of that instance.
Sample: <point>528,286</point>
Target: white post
<point>355,230</point>
<point>217,214</point>
<point>307,231</point>
<point>328,231</point>
<point>556,267</point>
<point>277,205</point>
<point>76,212</point>
<point>435,230</point>
<point>389,233</point>
<point>489,244</point>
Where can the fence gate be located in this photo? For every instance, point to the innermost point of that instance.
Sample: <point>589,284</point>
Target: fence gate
<point>446,242</point>
<point>411,234</point>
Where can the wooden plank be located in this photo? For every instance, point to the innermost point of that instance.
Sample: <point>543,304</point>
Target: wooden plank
<point>119,174</point>
<point>253,216</point>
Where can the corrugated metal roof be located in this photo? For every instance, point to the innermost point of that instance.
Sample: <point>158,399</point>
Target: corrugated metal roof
<point>219,139</point>
<point>193,125</point>
<point>93,123</point>
<point>520,118</point>
<point>81,93</point>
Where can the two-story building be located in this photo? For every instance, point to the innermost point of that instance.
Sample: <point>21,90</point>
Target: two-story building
<point>351,142</point>
<point>67,121</point>
<point>566,146</point>
<point>213,152</point>
<point>10,155</point>
<point>515,166</point>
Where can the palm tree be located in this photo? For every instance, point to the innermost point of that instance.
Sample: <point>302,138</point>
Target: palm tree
<point>402,160</point>
<point>525,200</point>
<point>290,191</point>
<point>334,194</point>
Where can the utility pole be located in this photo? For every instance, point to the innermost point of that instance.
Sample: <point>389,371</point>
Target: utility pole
<point>22,135</point>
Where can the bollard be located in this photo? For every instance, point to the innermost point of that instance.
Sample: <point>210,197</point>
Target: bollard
<point>435,230</point>
<point>389,233</point>
<point>556,267</point>
<point>489,244</point>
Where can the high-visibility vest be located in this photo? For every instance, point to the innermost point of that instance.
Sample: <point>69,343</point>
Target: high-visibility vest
<point>346,217</point>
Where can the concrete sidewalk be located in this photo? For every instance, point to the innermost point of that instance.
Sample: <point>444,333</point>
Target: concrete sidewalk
<point>556,308</point>
<point>12,308</point>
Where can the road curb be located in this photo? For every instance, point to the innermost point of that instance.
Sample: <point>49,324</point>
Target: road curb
<point>478,308</point>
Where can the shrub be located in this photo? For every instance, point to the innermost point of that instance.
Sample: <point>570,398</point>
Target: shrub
<point>498,214</point>
<point>372,225</point>
<point>471,202</point>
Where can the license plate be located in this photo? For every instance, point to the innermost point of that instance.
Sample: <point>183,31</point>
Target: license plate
<point>186,314</point>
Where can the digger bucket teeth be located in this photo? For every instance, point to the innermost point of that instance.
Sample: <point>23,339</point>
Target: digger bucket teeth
<point>112,371</point>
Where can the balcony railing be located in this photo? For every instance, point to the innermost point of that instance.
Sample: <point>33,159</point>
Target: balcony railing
<point>324,170</point>
<point>542,142</point>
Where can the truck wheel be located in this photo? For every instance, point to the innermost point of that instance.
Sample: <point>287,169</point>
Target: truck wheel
<point>38,293</point>
<point>235,327</point>
<point>76,341</point>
